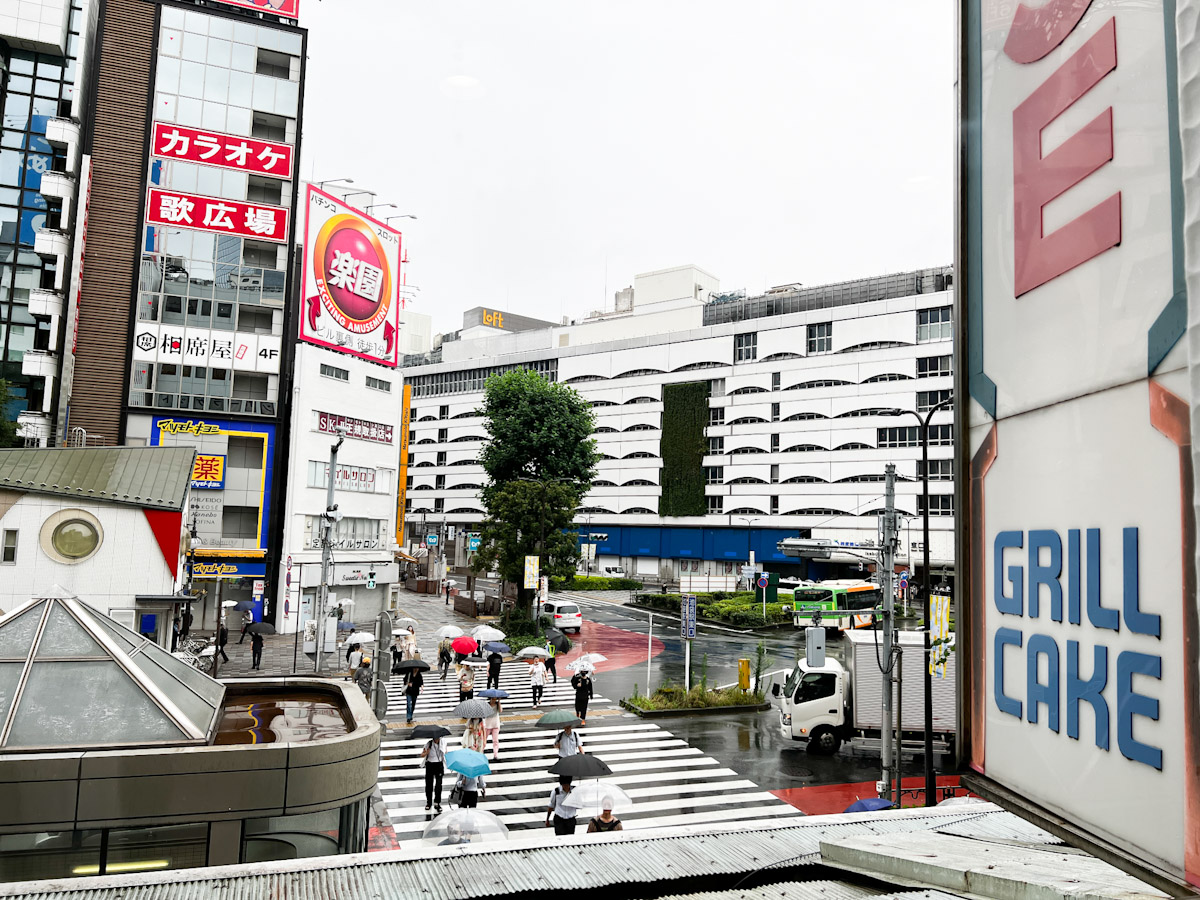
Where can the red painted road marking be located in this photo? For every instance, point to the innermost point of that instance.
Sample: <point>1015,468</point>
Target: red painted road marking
<point>623,648</point>
<point>825,799</point>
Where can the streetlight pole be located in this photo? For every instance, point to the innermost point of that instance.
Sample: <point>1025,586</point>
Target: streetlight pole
<point>930,780</point>
<point>328,518</point>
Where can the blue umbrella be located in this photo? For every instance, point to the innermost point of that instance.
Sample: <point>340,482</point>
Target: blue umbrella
<point>870,804</point>
<point>492,692</point>
<point>497,647</point>
<point>471,763</point>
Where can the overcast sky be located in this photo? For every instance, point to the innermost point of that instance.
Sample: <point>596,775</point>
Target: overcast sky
<point>552,150</point>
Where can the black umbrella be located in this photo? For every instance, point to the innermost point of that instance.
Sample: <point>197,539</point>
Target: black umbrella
<point>261,628</point>
<point>559,641</point>
<point>581,765</point>
<point>419,664</point>
<point>430,731</point>
<point>243,605</point>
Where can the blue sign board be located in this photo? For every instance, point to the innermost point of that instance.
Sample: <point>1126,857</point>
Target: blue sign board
<point>473,542</point>
<point>431,540</point>
<point>687,616</point>
<point>228,568</point>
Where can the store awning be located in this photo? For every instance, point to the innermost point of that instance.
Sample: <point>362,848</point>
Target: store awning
<point>401,556</point>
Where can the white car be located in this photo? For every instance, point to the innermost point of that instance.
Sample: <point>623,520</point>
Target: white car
<point>563,615</point>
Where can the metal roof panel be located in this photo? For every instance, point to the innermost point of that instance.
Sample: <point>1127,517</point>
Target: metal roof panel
<point>155,477</point>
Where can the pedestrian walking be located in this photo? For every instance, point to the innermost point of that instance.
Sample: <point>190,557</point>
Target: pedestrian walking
<point>491,725</point>
<point>472,790</point>
<point>247,621</point>
<point>222,640</point>
<point>256,648</point>
<point>187,623</point>
<point>176,624</point>
<point>474,737</point>
<point>537,680</point>
<point>362,677</point>
<point>353,657</point>
<point>466,683</point>
<point>447,591</point>
<point>564,816</point>
<point>445,657</point>
<point>495,661</point>
<point>606,821</point>
<point>414,681</point>
<point>434,754</point>
<point>410,643</point>
<point>551,663</point>
<point>568,743</point>
<point>582,682</point>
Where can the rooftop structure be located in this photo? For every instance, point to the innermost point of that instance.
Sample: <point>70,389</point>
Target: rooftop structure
<point>140,476</point>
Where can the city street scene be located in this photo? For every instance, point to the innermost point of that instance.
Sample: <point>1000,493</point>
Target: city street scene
<point>643,450</point>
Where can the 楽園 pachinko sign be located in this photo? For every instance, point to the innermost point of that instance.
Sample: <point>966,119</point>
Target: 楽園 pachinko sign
<point>289,9</point>
<point>1081,646</point>
<point>351,281</point>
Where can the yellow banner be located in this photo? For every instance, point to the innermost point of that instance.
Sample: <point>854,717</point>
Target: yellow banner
<point>402,478</point>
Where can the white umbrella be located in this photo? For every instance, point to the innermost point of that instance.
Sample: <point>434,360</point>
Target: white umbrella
<point>598,796</point>
<point>361,637</point>
<point>587,661</point>
<point>464,826</point>
<point>533,653</point>
<point>405,621</point>
<point>449,631</point>
<point>485,633</point>
<point>228,603</point>
<point>345,603</point>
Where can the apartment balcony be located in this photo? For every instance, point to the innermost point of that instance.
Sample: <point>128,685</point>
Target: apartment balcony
<point>35,428</point>
<point>53,246</point>
<point>39,364</point>
<point>62,186</point>
<point>45,303</point>
<point>64,133</point>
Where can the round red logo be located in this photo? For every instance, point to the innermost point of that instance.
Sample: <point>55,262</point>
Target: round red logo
<point>352,273</point>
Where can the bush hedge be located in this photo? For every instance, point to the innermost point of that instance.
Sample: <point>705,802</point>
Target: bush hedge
<point>740,609</point>
<point>594,583</point>
<point>696,698</point>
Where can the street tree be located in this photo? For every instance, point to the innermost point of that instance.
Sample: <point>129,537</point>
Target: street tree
<point>8,427</point>
<point>540,460</point>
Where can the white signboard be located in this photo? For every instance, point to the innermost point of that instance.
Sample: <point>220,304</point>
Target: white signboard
<point>351,298</point>
<point>1078,499</point>
<point>206,347</point>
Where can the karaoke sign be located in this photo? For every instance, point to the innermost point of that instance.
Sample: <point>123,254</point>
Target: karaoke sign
<point>351,281</point>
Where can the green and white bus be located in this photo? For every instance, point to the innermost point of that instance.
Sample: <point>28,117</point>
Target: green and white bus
<point>843,594</point>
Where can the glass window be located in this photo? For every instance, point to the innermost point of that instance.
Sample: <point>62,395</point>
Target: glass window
<point>289,837</point>
<point>816,686</point>
<point>75,539</point>
<point>191,79</point>
<point>933,366</point>
<point>168,75</point>
<point>934,324</point>
<point>8,551</point>
<point>219,52</point>
<point>927,400</point>
<point>244,58</point>
<point>195,46</point>
<point>820,338</point>
<point>154,848</point>
<point>241,88</point>
<point>55,854</point>
<point>216,85</point>
<point>335,372</point>
<point>745,347</point>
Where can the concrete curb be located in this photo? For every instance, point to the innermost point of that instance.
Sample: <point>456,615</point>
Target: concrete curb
<point>702,711</point>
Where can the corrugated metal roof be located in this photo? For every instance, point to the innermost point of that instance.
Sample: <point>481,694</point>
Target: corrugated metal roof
<point>812,890</point>
<point>1001,828</point>
<point>155,477</point>
<point>539,863</point>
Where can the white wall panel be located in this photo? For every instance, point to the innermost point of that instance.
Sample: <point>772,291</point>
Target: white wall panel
<point>754,467</point>
<point>458,455</point>
<point>633,392</point>
<point>637,358</point>
<point>586,364</point>
<point>900,326</point>
<point>795,470</point>
<point>782,340</point>
<point>814,404</point>
<point>745,407</point>
<point>900,365</point>
<point>743,379</point>
<point>686,353</point>
<point>649,417</point>
<point>761,440</point>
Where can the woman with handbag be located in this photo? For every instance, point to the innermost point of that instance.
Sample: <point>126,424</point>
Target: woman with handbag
<point>434,755</point>
<point>474,738</point>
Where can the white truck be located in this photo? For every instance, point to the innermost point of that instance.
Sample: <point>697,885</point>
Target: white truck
<point>834,704</point>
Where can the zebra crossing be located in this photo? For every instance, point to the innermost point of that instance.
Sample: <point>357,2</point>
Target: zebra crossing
<point>671,783</point>
<point>438,698</point>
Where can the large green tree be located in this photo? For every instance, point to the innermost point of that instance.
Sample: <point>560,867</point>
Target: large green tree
<point>540,461</point>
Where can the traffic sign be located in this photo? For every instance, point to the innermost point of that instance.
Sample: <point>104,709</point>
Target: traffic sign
<point>473,542</point>
<point>532,566</point>
<point>763,581</point>
<point>370,584</point>
<point>687,616</point>
<point>431,540</point>
<point>289,564</point>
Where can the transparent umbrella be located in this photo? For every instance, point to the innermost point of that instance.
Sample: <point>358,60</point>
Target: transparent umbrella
<point>594,796</point>
<point>464,826</point>
<point>361,637</point>
<point>449,631</point>
<point>485,633</point>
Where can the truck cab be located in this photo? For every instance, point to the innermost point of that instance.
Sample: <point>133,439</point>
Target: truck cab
<point>812,705</point>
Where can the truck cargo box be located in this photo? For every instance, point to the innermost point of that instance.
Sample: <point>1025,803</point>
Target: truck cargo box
<point>863,655</point>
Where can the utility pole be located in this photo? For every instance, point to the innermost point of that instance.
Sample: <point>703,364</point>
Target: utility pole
<point>887,558</point>
<point>328,518</point>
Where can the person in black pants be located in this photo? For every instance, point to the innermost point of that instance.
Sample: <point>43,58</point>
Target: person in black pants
<point>550,663</point>
<point>495,660</point>
<point>582,682</point>
<point>247,621</point>
<point>222,640</point>
<point>434,755</point>
<point>256,648</point>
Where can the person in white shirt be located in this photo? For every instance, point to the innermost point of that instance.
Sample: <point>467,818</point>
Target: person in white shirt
<point>537,680</point>
<point>473,789</point>
<point>491,725</point>
<point>568,742</point>
<point>434,755</point>
<point>564,816</point>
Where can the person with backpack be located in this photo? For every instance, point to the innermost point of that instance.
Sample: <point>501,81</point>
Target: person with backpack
<point>494,661</point>
<point>466,683</point>
<point>606,821</point>
<point>472,789</point>
<point>564,816</point>
<point>353,658</point>
<point>568,743</point>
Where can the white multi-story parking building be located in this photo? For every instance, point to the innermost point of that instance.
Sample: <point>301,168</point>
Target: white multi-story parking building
<point>792,421</point>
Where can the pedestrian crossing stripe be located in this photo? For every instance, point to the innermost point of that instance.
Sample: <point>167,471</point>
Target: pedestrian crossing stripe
<point>670,782</point>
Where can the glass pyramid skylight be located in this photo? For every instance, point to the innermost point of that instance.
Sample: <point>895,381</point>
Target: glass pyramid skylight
<point>71,679</point>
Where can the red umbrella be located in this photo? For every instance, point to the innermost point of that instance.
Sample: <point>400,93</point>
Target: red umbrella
<point>463,644</point>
